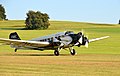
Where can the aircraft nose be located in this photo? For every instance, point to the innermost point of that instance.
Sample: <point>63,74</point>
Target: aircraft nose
<point>82,40</point>
<point>80,37</point>
<point>86,41</point>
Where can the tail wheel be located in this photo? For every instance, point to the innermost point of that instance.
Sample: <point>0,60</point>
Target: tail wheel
<point>73,52</point>
<point>56,52</point>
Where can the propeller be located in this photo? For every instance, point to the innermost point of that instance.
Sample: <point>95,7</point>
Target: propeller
<point>86,42</point>
<point>80,37</point>
<point>81,34</point>
<point>83,40</point>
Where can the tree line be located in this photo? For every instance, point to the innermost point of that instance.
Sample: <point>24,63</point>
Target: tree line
<point>2,13</point>
<point>34,19</point>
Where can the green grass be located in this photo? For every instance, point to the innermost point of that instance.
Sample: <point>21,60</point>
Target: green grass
<point>12,25</point>
<point>55,25</point>
<point>102,58</point>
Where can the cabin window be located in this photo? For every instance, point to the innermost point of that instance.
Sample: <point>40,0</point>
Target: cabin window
<point>59,36</point>
<point>48,39</point>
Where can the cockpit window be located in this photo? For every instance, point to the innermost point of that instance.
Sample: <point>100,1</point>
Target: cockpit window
<point>69,32</point>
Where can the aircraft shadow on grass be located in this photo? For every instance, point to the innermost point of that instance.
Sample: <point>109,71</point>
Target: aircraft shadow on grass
<point>32,54</point>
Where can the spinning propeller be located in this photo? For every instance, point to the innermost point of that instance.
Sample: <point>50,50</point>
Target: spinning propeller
<point>82,40</point>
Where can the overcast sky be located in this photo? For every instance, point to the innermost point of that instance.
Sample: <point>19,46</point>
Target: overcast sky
<point>98,11</point>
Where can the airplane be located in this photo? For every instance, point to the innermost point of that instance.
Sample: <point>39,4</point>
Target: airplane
<point>55,42</point>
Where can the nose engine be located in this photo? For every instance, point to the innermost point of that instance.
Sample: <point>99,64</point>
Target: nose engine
<point>82,40</point>
<point>85,41</point>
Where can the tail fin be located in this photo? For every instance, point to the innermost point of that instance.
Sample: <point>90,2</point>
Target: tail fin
<point>14,36</point>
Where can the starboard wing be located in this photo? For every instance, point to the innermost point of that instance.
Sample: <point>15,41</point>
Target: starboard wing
<point>96,39</point>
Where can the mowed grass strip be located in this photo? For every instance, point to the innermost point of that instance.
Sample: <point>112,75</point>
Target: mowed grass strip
<point>84,64</point>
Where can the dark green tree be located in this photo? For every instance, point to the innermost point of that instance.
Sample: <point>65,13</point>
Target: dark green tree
<point>2,13</point>
<point>37,20</point>
<point>119,22</point>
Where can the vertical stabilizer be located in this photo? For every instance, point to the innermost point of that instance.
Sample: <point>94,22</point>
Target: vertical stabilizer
<point>14,36</point>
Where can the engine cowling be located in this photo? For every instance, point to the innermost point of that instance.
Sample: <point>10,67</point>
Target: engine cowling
<point>81,40</point>
<point>85,41</point>
<point>75,39</point>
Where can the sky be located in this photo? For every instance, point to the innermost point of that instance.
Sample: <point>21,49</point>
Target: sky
<point>94,11</point>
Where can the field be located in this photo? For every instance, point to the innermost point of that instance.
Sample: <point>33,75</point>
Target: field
<point>102,58</point>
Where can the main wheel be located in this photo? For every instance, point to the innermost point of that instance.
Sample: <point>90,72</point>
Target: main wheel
<point>56,52</point>
<point>15,50</point>
<point>73,52</point>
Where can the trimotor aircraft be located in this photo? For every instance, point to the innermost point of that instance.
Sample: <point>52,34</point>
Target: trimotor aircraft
<point>55,42</point>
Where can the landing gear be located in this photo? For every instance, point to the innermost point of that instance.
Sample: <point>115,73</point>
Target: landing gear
<point>72,51</point>
<point>56,52</point>
<point>15,50</point>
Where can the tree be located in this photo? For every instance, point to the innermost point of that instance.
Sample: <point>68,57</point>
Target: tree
<point>37,20</point>
<point>2,13</point>
<point>119,22</point>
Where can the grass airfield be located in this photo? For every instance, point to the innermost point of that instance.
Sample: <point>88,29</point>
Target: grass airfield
<point>102,58</point>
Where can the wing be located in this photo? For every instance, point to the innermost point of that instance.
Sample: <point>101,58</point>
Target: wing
<point>96,39</point>
<point>23,43</point>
